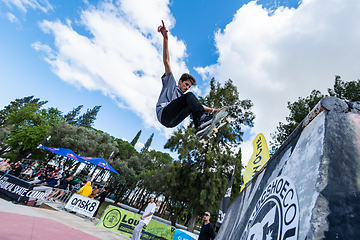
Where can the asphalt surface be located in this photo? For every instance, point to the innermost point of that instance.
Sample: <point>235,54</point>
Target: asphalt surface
<point>20,222</point>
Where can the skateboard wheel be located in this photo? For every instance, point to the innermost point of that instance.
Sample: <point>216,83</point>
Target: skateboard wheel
<point>214,135</point>
<point>215,130</point>
<point>203,142</point>
<point>228,121</point>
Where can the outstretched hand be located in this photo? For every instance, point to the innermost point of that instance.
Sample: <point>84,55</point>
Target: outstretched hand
<point>162,29</point>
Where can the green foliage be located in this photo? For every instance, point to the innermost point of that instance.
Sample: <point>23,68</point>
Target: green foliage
<point>88,118</point>
<point>17,105</point>
<point>136,138</point>
<point>85,120</point>
<point>24,125</point>
<point>203,173</point>
<point>71,117</point>
<point>240,112</point>
<point>349,91</point>
<point>125,149</point>
<point>298,111</point>
<point>83,141</point>
<point>147,144</point>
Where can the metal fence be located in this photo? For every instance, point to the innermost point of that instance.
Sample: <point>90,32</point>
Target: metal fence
<point>60,196</point>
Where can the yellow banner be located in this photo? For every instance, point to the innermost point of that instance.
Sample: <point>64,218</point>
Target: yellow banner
<point>120,220</point>
<point>257,160</point>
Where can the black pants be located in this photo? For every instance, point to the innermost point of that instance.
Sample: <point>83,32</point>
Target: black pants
<point>180,108</point>
<point>95,213</point>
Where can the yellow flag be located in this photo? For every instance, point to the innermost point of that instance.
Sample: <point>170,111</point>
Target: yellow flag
<point>257,160</point>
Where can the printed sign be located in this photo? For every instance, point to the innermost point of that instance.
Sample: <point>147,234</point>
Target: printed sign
<point>257,160</point>
<point>81,204</point>
<point>119,220</point>
<point>180,235</point>
<point>16,189</point>
<point>276,213</point>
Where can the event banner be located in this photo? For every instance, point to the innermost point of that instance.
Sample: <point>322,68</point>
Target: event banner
<point>120,220</point>
<point>257,160</point>
<point>16,189</point>
<point>81,204</point>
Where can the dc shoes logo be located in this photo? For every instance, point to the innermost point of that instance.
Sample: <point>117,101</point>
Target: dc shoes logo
<point>276,213</point>
<point>112,218</point>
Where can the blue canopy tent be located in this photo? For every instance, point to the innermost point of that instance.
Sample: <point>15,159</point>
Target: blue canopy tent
<point>100,162</point>
<point>64,152</point>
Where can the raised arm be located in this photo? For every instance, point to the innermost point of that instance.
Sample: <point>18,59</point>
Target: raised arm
<point>166,57</point>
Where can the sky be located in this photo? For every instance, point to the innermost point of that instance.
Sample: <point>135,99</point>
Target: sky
<point>109,53</point>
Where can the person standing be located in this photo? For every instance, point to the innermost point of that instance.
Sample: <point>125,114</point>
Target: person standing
<point>207,231</point>
<point>94,192</point>
<point>85,190</point>
<point>144,219</point>
<point>101,198</point>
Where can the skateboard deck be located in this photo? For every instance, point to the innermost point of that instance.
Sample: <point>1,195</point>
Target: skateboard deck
<point>217,122</point>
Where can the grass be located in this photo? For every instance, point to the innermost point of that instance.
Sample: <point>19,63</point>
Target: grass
<point>43,205</point>
<point>103,207</point>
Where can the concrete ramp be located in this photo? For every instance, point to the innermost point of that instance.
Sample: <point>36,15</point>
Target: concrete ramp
<point>310,188</point>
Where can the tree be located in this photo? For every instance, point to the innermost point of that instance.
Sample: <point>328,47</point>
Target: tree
<point>85,120</point>
<point>348,91</point>
<point>298,111</point>
<point>136,138</point>
<point>71,117</point>
<point>17,105</point>
<point>83,141</point>
<point>125,149</point>
<point>88,118</point>
<point>206,171</point>
<point>147,144</point>
<point>30,127</point>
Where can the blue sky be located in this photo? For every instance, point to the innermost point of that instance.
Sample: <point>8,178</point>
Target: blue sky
<point>108,53</point>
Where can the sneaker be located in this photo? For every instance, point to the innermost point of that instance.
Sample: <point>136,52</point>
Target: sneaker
<point>205,121</point>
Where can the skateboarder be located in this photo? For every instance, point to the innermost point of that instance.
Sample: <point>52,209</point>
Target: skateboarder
<point>175,103</point>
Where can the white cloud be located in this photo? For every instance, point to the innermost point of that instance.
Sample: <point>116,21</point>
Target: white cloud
<point>139,146</point>
<point>12,18</point>
<point>279,56</point>
<point>23,5</point>
<point>123,56</point>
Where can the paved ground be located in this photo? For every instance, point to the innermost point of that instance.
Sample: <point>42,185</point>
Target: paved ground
<point>28,223</point>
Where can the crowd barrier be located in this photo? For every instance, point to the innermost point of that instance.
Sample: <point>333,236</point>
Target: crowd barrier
<point>60,196</point>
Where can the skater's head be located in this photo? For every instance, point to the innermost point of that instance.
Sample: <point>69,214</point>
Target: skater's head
<point>186,81</point>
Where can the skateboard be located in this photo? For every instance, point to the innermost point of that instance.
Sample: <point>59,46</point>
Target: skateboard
<point>217,122</point>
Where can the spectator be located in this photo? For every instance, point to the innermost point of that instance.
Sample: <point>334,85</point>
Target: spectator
<point>66,174</point>
<point>94,192</point>
<point>144,219</point>
<point>85,190</point>
<point>51,181</point>
<point>64,185</point>
<point>16,171</point>
<point>4,165</point>
<point>207,231</point>
<point>101,198</point>
<point>27,173</point>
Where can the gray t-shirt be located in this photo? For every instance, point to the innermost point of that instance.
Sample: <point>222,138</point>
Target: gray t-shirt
<point>169,93</point>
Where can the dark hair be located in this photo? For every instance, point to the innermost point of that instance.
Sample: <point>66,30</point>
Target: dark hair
<point>188,77</point>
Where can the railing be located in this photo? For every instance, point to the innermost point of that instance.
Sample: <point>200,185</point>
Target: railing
<point>60,196</point>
